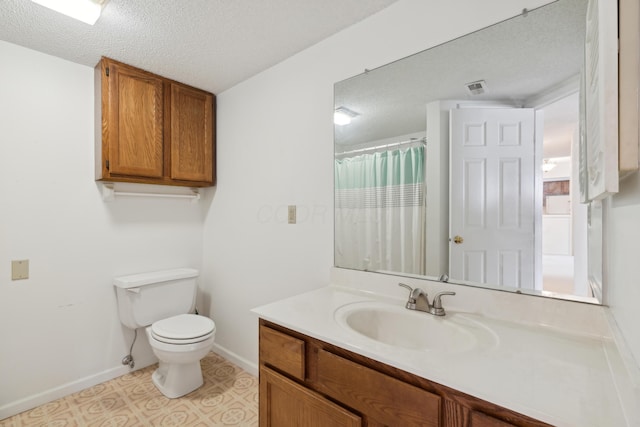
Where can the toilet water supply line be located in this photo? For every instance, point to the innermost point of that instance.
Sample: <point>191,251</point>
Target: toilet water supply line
<point>128,359</point>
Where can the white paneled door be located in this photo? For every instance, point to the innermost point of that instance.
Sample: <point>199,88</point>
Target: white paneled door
<point>492,203</point>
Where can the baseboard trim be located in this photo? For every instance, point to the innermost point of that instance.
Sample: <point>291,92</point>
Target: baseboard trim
<point>234,358</point>
<point>55,393</point>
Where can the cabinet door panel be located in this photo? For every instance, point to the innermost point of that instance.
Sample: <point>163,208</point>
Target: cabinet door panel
<point>191,134</point>
<point>381,397</point>
<point>284,403</point>
<point>136,132</point>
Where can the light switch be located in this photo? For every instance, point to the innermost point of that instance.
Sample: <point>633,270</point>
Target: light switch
<point>20,269</point>
<point>292,214</point>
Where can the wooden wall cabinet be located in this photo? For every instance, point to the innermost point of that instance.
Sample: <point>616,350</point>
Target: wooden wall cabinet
<point>152,130</point>
<point>307,382</point>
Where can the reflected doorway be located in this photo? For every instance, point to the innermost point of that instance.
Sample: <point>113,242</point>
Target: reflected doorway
<point>564,218</point>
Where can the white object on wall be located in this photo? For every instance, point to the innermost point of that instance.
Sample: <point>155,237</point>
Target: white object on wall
<point>601,98</point>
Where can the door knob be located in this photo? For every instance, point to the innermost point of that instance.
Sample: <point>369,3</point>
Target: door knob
<point>457,240</point>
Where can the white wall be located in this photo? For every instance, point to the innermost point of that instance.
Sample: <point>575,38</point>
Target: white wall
<point>275,147</point>
<point>60,329</point>
<point>622,222</point>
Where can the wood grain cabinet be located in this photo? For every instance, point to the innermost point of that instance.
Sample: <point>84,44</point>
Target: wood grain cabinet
<point>151,129</point>
<point>287,403</point>
<point>307,382</point>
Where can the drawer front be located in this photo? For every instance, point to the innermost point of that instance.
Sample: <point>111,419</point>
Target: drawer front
<point>383,398</point>
<point>478,419</point>
<point>282,351</point>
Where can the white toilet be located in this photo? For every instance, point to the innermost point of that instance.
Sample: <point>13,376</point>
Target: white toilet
<point>161,302</point>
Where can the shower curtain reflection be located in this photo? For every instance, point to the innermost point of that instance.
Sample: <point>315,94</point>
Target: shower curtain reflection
<point>379,201</point>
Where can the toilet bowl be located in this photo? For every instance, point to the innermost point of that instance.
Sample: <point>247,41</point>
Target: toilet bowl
<point>161,302</point>
<point>179,343</point>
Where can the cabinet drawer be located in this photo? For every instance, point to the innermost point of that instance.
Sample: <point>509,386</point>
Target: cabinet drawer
<point>385,399</point>
<point>282,351</point>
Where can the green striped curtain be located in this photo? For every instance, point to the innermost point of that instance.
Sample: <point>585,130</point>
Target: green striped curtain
<point>379,201</point>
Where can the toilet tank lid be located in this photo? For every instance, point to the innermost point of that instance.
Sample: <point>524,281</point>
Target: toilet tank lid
<point>135,280</point>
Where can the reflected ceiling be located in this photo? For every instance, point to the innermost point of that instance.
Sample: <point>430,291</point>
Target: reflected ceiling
<point>531,63</point>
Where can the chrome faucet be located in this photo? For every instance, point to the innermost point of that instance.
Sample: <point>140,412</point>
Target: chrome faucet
<point>419,300</point>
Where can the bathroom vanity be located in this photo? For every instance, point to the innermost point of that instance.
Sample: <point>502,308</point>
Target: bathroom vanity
<point>337,356</point>
<point>338,387</point>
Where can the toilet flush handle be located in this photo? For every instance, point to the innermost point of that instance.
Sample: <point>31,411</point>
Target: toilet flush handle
<point>134,290</point>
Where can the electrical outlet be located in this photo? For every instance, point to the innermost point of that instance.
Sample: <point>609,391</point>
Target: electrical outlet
<point>292,214</point>
<point>20,269</point>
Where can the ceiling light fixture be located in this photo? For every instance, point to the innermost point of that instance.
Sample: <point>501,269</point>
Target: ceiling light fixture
<point>343,116</point>
<point>87,11</point>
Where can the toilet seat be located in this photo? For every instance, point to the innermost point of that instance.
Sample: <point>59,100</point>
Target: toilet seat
<point>183,329</point>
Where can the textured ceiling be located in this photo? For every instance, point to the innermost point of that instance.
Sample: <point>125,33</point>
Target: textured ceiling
<point>519,59</point>
<point>211,44</point>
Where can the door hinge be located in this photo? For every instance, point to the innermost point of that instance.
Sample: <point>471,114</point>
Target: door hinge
<point>107,164</point>
<point>106,71</point>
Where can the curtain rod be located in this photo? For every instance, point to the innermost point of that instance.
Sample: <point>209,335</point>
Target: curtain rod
<point>422,140</point>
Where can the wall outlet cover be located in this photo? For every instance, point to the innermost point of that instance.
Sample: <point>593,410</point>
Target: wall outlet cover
<point>20,269</point>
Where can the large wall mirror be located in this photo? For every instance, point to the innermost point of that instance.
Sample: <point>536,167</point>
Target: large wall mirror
<point>459,163</point>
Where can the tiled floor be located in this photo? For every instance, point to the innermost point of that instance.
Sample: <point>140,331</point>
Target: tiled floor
<point>229,397</point>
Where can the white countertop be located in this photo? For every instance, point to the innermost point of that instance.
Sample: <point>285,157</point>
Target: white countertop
<point>560,378</point>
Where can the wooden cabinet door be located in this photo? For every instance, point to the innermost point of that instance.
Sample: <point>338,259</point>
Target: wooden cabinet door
<point>285,403</point>
<point>478,419</point>
<point>135,123</point>
<point>192,154</point>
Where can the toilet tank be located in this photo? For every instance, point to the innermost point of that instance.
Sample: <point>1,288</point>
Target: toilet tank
<point>148,297</point>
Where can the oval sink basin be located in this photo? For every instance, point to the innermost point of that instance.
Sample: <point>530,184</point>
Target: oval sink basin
<point>415,330</point>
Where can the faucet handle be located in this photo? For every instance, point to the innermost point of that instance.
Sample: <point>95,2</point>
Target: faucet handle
<point>436,308</point>
<point>406,286</point>
<point>437,300</point>
<point>410,289</point>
